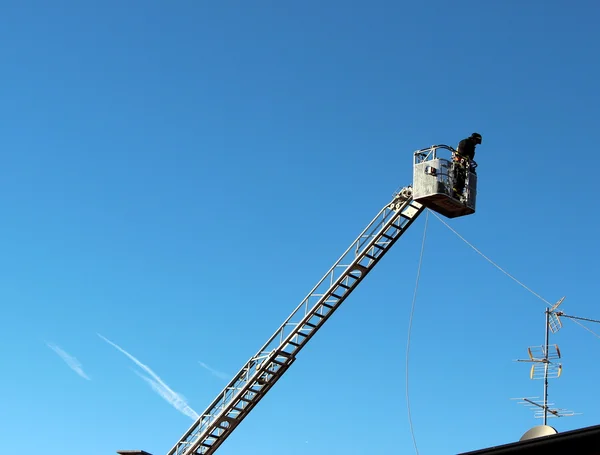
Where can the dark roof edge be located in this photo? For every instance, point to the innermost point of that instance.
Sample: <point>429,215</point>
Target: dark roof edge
<point>571,438</point>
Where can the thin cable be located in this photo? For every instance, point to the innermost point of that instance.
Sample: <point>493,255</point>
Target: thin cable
<point>493,263</point>
<point>589,330</point>
<point>577,317</point>
<point>512,277</point>
<point>576,320</point>
<point>410,320</point>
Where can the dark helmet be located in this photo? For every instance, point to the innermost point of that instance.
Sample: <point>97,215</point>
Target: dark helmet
<point>477,137</point>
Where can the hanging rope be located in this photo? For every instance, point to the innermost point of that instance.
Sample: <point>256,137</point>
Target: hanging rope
<point>410,320</point>
<point>514,279</point>
<point>493,263</point>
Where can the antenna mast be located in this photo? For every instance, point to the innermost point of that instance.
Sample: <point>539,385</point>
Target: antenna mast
<point>544,366</point>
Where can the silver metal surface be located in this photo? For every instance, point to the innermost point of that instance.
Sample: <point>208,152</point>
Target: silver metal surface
<point>538,432</point>
<point>263,369</point>
<point>434,180</point>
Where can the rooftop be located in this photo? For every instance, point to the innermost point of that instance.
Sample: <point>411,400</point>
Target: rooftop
<point>583,441</point>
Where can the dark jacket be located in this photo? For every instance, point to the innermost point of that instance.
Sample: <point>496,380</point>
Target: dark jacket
<point>466,148</point>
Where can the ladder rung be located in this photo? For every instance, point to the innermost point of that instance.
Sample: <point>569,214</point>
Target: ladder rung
<point>383,234</point>
<point>336,296</point>
<point>311,325</point>
<point>288,354</point>
<point>344,286</point>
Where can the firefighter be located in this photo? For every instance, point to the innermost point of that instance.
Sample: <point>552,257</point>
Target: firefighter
<point>466,147</point>
<point>462,162</point>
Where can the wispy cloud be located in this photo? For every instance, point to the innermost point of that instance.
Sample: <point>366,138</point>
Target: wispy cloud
<point>158,385</point>
<point>73,363</point>
<point>216,373</point>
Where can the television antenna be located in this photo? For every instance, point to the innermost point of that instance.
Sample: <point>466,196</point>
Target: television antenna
<point>545,366</point>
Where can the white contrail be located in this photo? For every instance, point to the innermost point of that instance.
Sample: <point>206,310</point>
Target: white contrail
<point>158,385</point>
<point>176,400</point>
<point>73,363</point>
<point>217,373</point>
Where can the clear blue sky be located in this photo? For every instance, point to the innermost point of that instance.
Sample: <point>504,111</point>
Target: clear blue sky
<point>176,176</point>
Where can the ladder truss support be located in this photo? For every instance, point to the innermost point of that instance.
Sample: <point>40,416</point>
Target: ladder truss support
<point>265,368</point>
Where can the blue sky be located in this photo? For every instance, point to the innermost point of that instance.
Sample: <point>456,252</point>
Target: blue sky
<point>176,176</point>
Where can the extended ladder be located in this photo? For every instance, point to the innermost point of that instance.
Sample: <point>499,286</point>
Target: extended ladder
<point>263,370</point>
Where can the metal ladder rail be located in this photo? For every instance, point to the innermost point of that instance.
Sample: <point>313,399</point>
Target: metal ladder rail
<point>264,369</point>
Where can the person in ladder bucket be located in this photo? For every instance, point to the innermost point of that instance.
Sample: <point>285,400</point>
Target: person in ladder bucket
<point>462,162</point>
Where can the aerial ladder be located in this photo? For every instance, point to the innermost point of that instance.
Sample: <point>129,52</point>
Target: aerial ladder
<point>433,176</point>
